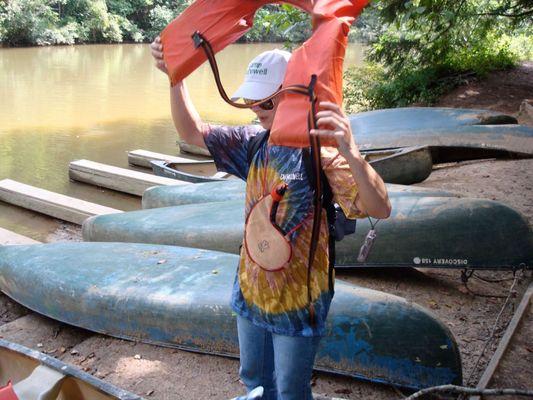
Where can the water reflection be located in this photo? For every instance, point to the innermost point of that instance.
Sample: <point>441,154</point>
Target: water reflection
<point>85,86</point>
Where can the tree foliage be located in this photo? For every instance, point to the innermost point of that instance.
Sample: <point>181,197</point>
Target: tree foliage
<point>424,47</point>
<point>44,22</point>
<point>280,23</point>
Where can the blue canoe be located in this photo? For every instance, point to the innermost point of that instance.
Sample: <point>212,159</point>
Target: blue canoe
<point>26,369</point>
<point>423,231</point>
<point>234,189</point>
<point>179,297</point>
<point>452,134</point>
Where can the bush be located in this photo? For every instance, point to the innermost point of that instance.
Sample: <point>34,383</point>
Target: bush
<point>98,25</point>
<point>160,17</point>
<point>24,22</point>
<point>67,34</point>
<point>425,48</point>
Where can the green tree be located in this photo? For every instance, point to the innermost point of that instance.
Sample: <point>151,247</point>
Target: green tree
<point>425,47</point>
<point>279,23</point>
<point>25,22</point>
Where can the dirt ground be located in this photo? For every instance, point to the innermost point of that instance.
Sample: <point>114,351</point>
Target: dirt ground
<point>501,91</point>
<point>163,373</point>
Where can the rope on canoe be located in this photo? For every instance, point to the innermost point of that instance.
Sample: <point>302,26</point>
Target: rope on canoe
<point>466,275</point>
<point>481,278</point>
<point>469,391</point>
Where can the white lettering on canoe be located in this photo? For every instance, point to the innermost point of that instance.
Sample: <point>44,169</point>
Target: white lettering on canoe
<point>439,261</point>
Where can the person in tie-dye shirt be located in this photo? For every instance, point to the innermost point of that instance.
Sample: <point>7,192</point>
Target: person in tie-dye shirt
<point>277,339</point>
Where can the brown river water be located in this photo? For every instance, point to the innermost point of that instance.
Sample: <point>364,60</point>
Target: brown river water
<point>96,102</point>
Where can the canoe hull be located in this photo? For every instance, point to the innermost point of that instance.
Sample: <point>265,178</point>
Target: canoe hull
<point>441,128</point>
<point>234,190</point>
<point>424,118</point>
<point>179,297</point>
<point>440,232</point>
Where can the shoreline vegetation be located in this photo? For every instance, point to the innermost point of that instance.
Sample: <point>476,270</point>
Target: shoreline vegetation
<point>418,50</point>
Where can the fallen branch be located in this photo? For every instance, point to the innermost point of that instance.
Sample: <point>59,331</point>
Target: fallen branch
<point>470,391</point>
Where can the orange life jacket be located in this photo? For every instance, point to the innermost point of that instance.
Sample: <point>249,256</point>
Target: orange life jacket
<point>222,22</point>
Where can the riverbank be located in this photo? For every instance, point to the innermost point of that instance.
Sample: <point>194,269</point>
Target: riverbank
<point>504,91</point>
<point>162,373</point>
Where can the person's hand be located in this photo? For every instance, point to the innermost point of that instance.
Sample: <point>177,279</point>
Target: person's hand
<point>332,122</point>
<point>156,48</point>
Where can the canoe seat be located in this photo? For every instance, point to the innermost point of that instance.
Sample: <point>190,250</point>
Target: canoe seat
<point>44,383</point>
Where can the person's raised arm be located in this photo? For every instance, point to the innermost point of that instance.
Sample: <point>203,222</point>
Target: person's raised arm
<point>187,121</point>
<point>372,197</point>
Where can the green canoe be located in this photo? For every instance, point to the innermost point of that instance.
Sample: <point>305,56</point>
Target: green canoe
<point>443,232</point>
<point>180,297</point>
<point>234,189</point>
<point>452,134</point>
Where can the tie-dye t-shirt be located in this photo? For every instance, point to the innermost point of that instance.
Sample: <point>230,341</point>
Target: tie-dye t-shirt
<point>278,300</point>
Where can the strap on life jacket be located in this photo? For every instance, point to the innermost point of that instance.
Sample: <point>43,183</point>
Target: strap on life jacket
<point>200,41</point>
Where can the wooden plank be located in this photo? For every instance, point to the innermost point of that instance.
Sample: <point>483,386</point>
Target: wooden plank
<point>11,238</point>
<point>120,179</point>
<point>49,203</point>
<point>142,158</point>
<point>504,342</point>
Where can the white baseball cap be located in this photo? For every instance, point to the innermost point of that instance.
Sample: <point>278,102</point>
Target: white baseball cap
<point>264,75</point>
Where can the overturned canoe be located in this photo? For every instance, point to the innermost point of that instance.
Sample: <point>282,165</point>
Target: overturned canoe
<point>35,375</point>
<point>173,170</point>
<point>425,118</point>
<point>402,166</point>
<point>486,133</point>
<point>441,232</point>
<point>234,189</point>
<point>458,134</point>
<point>180,297</point>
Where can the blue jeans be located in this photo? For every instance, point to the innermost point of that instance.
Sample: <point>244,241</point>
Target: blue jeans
<point>282,365</point>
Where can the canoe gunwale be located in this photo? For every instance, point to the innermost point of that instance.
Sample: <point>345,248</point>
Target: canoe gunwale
<point>162,168</point>
<point>470,268</point>
<point>68,370</point>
